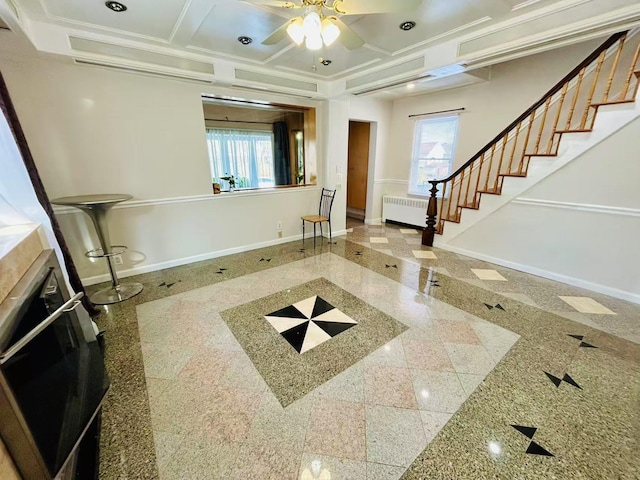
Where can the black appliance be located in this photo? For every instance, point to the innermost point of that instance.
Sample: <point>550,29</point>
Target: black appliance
<point>52,375</point>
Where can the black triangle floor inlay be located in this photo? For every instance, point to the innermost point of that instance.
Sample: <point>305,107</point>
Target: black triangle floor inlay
<point>570,381</point>
<point>295,336</point>
<point>556,381</point>
<point>535,449</point>
<point>577,337</point>
<point>586,345</point>
<point>490,307</point>
<point>321,307</point>
<point>289,312</point>
<point>334,328</point>
<point>526,431</point>
<point>500,307</point>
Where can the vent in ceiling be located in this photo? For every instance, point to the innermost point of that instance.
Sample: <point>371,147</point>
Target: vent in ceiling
<point>405,68</point>
<point>137,55</point>
<point>277,81</point>
<point>155,73</point>
<point>387,86</point>
<point>269,90</point>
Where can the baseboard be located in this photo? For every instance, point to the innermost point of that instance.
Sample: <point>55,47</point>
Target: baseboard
<point>576,282</point>
<point>373,221</point>
<point>196,258</point>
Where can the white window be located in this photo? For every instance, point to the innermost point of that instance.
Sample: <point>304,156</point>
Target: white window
<point>245,154</point>
<point>433,148</point>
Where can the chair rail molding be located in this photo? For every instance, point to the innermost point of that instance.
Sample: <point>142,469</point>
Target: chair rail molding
<point>584,207</point>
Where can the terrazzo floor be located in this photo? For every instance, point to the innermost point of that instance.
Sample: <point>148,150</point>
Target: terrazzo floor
<point>416,364</point>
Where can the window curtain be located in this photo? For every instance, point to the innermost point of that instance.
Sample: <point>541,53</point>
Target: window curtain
<point>282,163</point>
<point>30,201</point>
<point>245,154</point>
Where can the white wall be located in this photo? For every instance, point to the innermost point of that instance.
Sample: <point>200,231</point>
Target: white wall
<point>580,225</point>
<point>489,107</point>
<point>94,130</point>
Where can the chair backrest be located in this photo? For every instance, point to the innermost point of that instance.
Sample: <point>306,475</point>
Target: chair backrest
<point>326,202</point>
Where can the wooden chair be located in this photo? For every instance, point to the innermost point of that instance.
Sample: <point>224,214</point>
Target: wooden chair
<point>324,214</point>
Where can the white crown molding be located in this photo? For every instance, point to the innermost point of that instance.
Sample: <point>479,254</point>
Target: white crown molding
<point>180,19</point>
<point>582,207</point>
<point>225,196</point>
<point>569,33</point>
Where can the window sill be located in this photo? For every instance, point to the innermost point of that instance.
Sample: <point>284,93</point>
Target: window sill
<point>249,192</point>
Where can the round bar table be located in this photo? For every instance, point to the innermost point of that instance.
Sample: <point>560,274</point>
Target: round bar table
<point>97,207</point>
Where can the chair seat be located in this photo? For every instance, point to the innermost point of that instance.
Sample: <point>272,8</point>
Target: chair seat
<point>314,218</point>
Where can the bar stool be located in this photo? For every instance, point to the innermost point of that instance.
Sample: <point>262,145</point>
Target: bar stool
<point>97,207</point>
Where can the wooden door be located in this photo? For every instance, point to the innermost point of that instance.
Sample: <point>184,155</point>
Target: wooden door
<point>358,165</point>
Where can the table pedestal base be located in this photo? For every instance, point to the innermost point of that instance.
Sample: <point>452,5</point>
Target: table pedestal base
<point>110,295</point>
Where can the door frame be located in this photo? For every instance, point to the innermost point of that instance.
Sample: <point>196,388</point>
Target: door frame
<point>371,168</point>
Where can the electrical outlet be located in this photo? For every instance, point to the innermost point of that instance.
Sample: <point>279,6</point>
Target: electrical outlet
<point>280,234</point>
<point>279,225</point>
<point>117,259</point>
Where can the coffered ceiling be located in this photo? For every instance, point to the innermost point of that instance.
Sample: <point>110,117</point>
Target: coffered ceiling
<point>206,32</point>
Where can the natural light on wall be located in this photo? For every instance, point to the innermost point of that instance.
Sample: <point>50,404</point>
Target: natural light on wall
<point>433,150</point>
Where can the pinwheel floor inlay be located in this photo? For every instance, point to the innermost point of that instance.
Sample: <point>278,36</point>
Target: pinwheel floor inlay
<point>310,322</point>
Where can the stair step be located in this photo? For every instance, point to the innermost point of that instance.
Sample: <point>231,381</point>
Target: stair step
<point>583,130</point>
<point>513,174</point>
<point>612,102</point>
<point>540,154</point>
<point>472,206</point>
<point>490,192</point>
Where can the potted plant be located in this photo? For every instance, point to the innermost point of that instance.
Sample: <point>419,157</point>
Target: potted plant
<point>232,181</point>
<point>216,186</point>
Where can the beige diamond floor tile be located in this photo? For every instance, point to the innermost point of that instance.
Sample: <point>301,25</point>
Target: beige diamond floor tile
<point>391,355</point>
<point>470,381</point>
<point>379,471</point>
<point>378,240</point>
<point>488,274</point>
<point>470,358</point>
<point>438,391</point>
<point>453,331</point>
<point>389,386</point>
<point>426,355</point>
<point>409,231</point>
<point>165,361</point>
<point>265,463</point>
<point>433,423</point>
<point>426,254</point>
<point>347,386</point>
<point>320,467</point>
<point>337,429</point>
<point>395,436</point>
<point>587,305</point>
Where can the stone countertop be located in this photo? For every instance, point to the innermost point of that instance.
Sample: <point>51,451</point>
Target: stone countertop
<point>20,245</point>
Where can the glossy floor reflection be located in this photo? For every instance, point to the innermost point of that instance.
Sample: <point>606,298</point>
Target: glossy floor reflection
<point>481,384</point>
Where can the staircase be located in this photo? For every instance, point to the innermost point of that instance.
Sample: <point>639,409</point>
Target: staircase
<point>590,103</point>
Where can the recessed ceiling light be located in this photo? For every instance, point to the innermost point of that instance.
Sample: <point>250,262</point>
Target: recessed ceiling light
<point>325,61</point>
<point>406,26</point>
<point>411,86</point>
<point>116,6</point>
<point>245,40</point>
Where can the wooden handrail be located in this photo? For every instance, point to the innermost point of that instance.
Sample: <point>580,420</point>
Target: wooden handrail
<point>435,222</point>
<point>555,89</point>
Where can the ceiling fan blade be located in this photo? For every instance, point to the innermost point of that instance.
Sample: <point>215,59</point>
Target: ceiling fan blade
<point>348,37</point>
<point>275,3</point>
<point>361,7</point>
<point>277,36</point>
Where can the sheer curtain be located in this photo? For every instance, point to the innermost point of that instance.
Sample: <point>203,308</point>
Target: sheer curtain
<point>245,154</point>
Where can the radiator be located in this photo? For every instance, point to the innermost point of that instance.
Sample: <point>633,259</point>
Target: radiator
<point>411,211</point>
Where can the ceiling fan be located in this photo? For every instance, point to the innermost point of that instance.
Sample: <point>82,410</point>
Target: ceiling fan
<point>316,28</point>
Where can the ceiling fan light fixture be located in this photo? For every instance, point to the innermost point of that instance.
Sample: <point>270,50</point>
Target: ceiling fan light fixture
<point>330,32</point>
<point>295,31</point>
<point>312,25</point>
<point>313,42</point>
